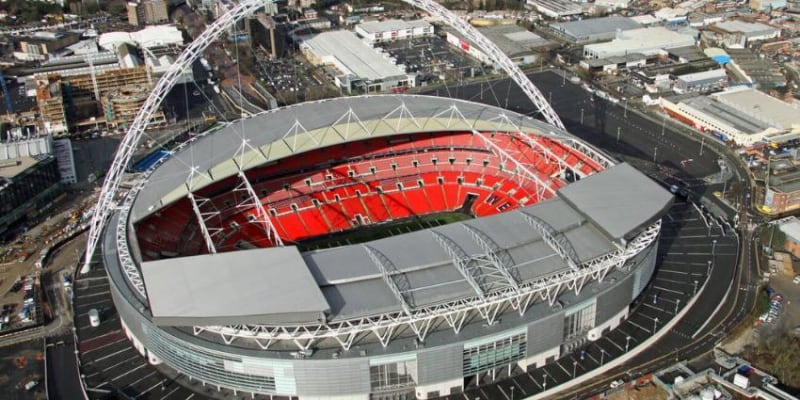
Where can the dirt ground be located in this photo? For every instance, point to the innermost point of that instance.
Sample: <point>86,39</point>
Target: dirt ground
<point>648,392</point>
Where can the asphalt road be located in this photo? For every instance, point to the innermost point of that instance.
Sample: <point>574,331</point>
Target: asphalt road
<point>62,370</point>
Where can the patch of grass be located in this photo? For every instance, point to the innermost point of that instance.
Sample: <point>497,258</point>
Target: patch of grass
<point>382,230</point>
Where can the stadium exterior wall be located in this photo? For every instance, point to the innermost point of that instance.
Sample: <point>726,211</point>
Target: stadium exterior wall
<point>437,371</point>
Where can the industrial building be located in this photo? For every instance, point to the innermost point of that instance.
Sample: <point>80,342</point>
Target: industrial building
<point>147,12</point>
<point>556,9</point>
<point>610,64</point>
<point>519,44</point>
<point>767,5</point>
<point>27,185</point>
<point>593,29</point>
<point>701,82</point>
<point>266,313</point>
<point>393,29</point>
<point>647,41</point>
<point>363,69</point>
<point>739,34</point>
<point>743,115</point>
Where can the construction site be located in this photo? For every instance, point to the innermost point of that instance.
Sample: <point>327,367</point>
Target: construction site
<point>106,99</point>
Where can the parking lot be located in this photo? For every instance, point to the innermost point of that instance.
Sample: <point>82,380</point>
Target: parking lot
<point>22,364</point>
<point>433,59</point>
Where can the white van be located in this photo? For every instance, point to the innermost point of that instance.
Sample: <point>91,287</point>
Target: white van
<point>94,317</point>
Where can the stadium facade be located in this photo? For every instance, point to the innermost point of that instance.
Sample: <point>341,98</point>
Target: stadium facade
<point>237,260</point>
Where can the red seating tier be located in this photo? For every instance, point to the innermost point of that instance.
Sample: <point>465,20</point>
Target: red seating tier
<point>378,180</point>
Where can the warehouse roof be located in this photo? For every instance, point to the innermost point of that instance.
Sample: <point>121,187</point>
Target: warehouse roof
<point>745,27</point>
<point>726,114</point>
<point>513,40</point>
<point>717,73</point>
<point>392,25</point>
<point>761,106</point>
<point>595,26</point>
<point>352,54</point>
<point>642,40</point>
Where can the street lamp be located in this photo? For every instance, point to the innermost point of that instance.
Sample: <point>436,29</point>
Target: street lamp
<point>618,128</point>
<point>713,247</point>
<point>574,367</point>
<point>677,305</point>
<point>695,287</point>
<point>512,392</point>
<point>581,116</point>
<point>544,381</point>
<point>708,271</point>
<point>627,343</point>
<point>602,356</point>
<point>655,324</point>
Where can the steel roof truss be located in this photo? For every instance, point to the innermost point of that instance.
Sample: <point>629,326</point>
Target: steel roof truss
<point>211,212</point>
<point>391,276</point>
<point>493,252</point>
<point>460,261</point>
<point>250,201</point>
<point>555,239</point>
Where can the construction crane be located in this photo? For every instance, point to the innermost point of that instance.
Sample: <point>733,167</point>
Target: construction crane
<point>9,104</point>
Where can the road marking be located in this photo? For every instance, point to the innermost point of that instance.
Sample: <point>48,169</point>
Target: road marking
<point>112,354</point>
<point>129,371</point>
<point>658,278</point>
<point>522,389</point>
<point>638,326</point>
<point>614,343</point>
<point>143,378</point>
<point>668,290</point>
<point>672,271</point>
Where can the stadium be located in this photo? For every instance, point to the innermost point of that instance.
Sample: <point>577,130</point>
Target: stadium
<point>383,247</point>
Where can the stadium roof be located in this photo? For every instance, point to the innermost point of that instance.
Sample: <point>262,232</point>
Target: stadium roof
<point>352,55</point>
<point>617,201</point>
<point>251,286</point>
<point>281,133</point>
<point>280,285</point>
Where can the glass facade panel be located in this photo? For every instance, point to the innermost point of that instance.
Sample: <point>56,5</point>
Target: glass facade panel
<point>495,354</point>
<point>580,322</point>
<point>392,376</point>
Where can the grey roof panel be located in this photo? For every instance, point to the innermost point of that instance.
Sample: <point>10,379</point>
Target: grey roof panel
<point>362,298</point>
<point>251,286</point>
<point>334,266</point>
<point>619,201</point>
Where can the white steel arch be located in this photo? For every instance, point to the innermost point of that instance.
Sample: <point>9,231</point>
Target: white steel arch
<point>192,52</point>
